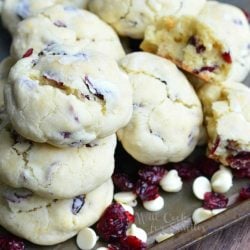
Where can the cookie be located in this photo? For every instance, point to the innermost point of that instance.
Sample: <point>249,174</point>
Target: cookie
<point>65,25</point>
<point>227,109</point>
<point>66,97</point>
<point>167,114</point>
<point>43,168</point>
<point>204,45</point>
<point>14,11</point>
<point>50,221</point>
<point>131,17</point>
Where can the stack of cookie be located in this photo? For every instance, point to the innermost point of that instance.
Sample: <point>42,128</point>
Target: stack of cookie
<point>64,99</point>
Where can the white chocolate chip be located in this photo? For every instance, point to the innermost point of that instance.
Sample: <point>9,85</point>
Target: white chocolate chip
<point>201,185</point>
<point>171,182</point>
<point>201,214</point>
<point>137,232</point>
<point>218,211</point>
<point>128,208</point>
<point>125,197</point>
<point>163,236</point>
<point>222,180</point>
<point>154,205</point>
<point>86,239</point>
<point>102,248</point>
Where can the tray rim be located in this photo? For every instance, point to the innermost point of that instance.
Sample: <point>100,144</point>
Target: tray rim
<point>213,225</point>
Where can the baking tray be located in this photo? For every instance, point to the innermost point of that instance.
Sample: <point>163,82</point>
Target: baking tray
<point>176,216</point>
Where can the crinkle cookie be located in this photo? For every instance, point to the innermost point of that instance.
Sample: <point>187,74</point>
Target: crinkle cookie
<point>65,25</point>
<point>50,221</point>
<point>214,45</point>
<point>227,112</point>
<point>131,17</point>
<point>5,66</point>
<point>67,98</point>
<point>167,114</point>
<point>14,11</point>
<point>43,168</point>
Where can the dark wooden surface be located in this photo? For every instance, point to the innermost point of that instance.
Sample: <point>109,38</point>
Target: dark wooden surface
<point>236,237</point>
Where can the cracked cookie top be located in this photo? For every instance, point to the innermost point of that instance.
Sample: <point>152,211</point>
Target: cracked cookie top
<point>167,114</point>
<point>67,97</point>
<point>131,17</point>
<point>65,25</point>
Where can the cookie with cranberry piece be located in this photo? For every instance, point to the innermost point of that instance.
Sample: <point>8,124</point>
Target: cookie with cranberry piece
<point>43,168</point>
<point>131,17</point>
<point>167,114</point>
<point>214,45</point>
<point>14,11</point>
<point>67,97</point>
<point>65,25</point>
<point>227,109</point>
<point>51,221</point>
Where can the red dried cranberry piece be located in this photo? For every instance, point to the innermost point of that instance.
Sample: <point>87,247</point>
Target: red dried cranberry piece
<point>131,217</point>
<point>122,182</point>
<point>205,68</point>
<point>245,193</point>
<point>200,48</point>
<point>131,243</point>
<point>152,174</point>
<point>146,191</point>
<point>214,200</point>
<point>113,224</point>
<point>240,161</point>
<point>241,173</point>
<point>28,53</point>
<point>207,166</point>
<point>186,170</point>
<point>215,146</point>
<point>227,57</point>
<point>247,14</point>
<point>8,242</point>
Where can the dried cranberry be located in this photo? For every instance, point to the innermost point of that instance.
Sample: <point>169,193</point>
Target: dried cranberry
<point>28,53</point>
<point>239,161</point>
<point>65,135</point>
<point>151,174</point>
<point>132,242</point>
<point>205,68</point>
<point>8,242</point>
<point>214,200</point>
<point>245,193</point>
<point>113,224</point>
<point>122,182</point>
<point>247,14</point>
<point>60,24</point>
<point>215,146</point>
<point>131,217</point>
<point>146,191</point>
<point>207,166</point>
<point>186,170</point>
<point>78,203</point>
<point>241,173</point>
<point>200,48</point>
<point>227,57</point>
